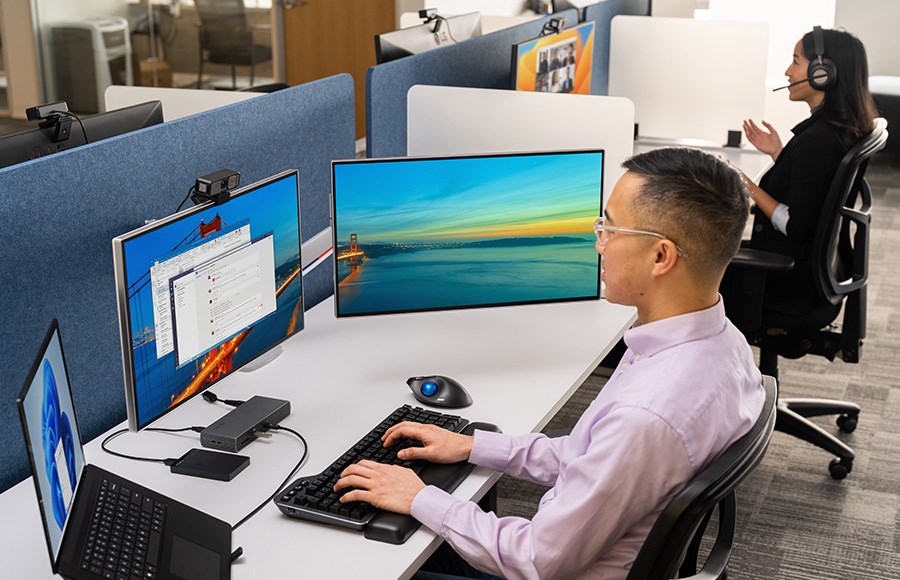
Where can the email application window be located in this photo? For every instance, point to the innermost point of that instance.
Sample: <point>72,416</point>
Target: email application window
<point>215,301</point>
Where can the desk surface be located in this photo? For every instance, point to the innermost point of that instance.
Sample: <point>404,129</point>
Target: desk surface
<point>520,364</point>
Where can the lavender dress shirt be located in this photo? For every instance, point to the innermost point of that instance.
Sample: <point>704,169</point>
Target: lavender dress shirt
<point>686,388</point>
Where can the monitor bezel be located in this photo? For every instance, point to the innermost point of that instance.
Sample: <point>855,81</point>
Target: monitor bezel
<point>124,313</point>
<point>516,48</point>
<point>52,332</point>
<point>334,228</point>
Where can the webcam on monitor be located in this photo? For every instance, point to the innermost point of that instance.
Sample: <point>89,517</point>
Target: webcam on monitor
<point>47,111</point>
<point>54,115</point>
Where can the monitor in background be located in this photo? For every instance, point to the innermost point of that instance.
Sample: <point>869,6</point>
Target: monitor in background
<point>40,142</point>
<point>205,291</point>
<point>435,33</point>
<point>555,63</point>
<point>418,234</point>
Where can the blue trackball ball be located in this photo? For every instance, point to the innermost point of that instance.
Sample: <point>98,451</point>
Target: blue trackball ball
<point>429,388</point>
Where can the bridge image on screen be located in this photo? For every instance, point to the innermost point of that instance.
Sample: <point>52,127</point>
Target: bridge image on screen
<point>461,232</point>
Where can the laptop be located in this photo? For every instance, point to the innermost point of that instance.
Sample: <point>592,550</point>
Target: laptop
<point>98,524</point>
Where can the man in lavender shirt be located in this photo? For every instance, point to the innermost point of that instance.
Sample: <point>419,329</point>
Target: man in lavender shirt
<point>685,389</point>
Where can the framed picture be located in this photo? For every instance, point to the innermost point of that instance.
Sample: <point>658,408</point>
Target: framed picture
<point>555,63</point>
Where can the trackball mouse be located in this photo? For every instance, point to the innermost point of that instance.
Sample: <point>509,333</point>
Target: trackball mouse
<point>439,391</point>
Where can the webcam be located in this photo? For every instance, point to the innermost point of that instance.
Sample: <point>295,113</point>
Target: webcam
<point>215,186</point>
<point>54,116</point>
<point>428,14</point>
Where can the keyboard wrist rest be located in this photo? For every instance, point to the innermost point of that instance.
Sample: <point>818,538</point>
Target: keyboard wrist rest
<point>395,528</point>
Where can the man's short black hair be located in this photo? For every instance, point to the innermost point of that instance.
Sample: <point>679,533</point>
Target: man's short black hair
<point>697,200</point>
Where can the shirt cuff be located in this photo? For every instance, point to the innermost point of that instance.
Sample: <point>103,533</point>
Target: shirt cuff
<point>780,218</point>
<point>490,449</point>
<point>430,506</point>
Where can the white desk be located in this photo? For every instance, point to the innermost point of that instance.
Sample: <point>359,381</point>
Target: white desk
<point>747,158</point>
<point>519,363</point>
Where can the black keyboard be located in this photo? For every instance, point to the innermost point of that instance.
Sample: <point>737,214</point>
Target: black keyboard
<point>313,498</point>
<point>124,535</point>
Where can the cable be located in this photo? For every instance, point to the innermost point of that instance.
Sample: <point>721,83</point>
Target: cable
<point>80,124</point>
<point>268,427</point>
<point>190,191</point>
<point>167,461</point>
<point>210,397</point>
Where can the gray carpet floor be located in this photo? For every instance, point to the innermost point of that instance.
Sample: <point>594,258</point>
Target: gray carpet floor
<point>794,521</point>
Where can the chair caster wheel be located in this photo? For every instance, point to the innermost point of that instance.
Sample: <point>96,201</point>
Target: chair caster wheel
<point>846,423</point>
<point>839,468</point>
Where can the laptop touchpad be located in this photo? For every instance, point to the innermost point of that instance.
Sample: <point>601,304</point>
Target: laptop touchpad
<point>193,562</point>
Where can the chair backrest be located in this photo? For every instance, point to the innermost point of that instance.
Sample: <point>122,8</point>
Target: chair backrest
<point>675,537</point>
<point>223,25</point>
<point>841,243</point>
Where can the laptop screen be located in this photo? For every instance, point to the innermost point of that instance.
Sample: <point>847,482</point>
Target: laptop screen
<point>52,437</point>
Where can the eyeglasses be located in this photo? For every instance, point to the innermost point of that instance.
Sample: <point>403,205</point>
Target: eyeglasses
<point>603,230</point>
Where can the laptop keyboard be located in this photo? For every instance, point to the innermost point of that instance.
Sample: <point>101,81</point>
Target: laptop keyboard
<point>123,541</point>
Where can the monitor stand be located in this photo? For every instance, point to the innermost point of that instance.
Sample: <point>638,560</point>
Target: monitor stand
<point>262,360</point>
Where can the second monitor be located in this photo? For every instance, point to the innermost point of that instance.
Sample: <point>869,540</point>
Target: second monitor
<point>416,234</point>
<point>205,291</point>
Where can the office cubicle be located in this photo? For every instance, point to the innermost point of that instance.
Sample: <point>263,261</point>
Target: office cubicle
<point>61,212</point>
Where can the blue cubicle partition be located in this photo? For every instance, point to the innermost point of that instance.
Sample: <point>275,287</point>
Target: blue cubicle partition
<point>602,14</point>
<point>481,62</point>
<point>59,214</point>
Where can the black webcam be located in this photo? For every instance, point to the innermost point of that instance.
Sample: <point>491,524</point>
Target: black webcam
<point>47,111</point>
<point>215,186</point>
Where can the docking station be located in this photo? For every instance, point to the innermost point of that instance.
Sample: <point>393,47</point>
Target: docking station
<point>239,427</point>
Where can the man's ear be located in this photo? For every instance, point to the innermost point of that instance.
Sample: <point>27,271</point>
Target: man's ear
<point>666,257</point>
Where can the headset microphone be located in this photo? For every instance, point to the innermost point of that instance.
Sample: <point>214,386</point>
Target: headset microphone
<point>820,76</point>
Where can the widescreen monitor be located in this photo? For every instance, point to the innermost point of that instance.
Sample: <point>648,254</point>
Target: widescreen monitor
<point>39,142</point>
<point>205,291</point>
<point>434,233</point>
<point>417,39</point>
<point>555,63</point>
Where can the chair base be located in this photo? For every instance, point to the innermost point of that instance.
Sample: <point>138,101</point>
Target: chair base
<point>791,418</point>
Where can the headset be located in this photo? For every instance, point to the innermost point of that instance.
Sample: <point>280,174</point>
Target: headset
<point>821,72</point>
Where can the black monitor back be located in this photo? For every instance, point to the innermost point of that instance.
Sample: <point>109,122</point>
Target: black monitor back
<point>417,39</point>
<point>40,142</point>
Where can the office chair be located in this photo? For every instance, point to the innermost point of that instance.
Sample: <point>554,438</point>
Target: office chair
<point>674,540</point>
<point>840,258</point>
<point>226,37</point>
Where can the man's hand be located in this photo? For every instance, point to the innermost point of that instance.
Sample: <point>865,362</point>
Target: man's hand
<point>438,444</point>
<point>389,487</point>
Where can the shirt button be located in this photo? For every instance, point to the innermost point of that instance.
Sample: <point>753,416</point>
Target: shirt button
<point>757,228</point>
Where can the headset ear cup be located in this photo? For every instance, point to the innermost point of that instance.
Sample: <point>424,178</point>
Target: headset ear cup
<point>822,75</point>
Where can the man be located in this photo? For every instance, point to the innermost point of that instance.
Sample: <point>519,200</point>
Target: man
<point>685,389</point>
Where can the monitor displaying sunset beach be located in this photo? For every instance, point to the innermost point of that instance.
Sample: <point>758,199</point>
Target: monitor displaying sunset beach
<point>416,234</point>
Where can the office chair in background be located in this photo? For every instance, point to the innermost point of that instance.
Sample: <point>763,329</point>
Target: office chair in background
<point>840,261</point>
<point>674,539</point>
<point>226,37</point>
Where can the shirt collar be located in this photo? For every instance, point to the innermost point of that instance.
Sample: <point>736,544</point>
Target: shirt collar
<point>648,339</point>
<point>814,116</point>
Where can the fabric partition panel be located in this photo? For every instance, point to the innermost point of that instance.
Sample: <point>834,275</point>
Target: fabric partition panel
<point>60,213</point>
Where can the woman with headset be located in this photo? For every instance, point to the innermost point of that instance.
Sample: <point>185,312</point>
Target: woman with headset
<point>830,73</point>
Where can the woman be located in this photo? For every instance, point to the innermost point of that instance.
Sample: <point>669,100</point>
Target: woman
<point>789,197</point>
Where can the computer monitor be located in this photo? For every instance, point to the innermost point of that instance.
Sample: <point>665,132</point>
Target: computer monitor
<point>424,37</point>
<point>40,142</point>
<point>205,291</point>
<point>435,233</point>
<point>555,63</point>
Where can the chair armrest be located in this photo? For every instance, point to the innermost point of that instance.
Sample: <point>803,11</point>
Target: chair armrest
<point>761,260</point>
